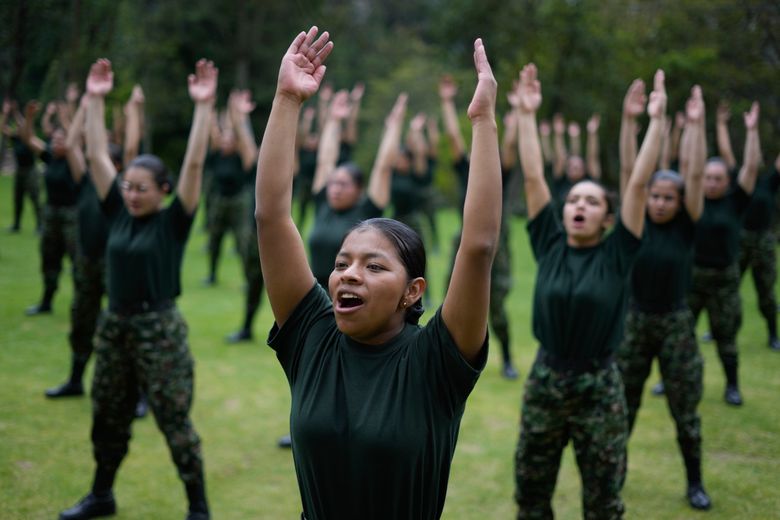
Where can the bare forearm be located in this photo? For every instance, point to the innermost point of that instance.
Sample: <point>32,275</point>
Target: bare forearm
<point>724,144</point>
<point>559,164</point>
<point>191,174</point>
<point>246,143</point>
<point>132,133</point>
<point>697,156</point>
<point>749,170</point>
<point>509,144</point>
<point>627,150</point>
<point>594,165</point>
<point>327,153</point>
<point>101,168</point>
<point>537,193</point>
<point>452,128</point>
<point>632,211</point>
<point>482,209</point>
<point>379,184</point>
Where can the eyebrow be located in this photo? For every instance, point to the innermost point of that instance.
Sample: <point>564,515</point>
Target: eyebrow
<point>368,256</point>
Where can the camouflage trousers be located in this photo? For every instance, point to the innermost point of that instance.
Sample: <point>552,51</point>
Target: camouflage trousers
<point>717,291</point>
<point>590,410</point>
<point>226,214</point>
<point>500,285</point>
<point>669,337</point>
<point>149,352</point>
<point>26,182</point>
<point>58,238</point>
<point>757,252</point>
<point>89,278</point>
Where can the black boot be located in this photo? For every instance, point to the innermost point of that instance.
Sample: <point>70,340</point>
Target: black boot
<point>142,406</point>
<point>73,387</point>
<point>239,336</point>
<point>45,306</point>
<point>196,496</point>
<point>698,497</point>
<point>91,506</point>
<point>730,365</point>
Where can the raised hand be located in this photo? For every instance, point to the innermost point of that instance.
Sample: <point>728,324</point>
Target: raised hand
<point>100,80</point>
<point>513,96</point>
<point>447,88</point>
<point>202,86</point>
<point>573,130</point>
<point>302,69</point>
<point>51,108</point>
<point>558,124</point>
<point>357,92</point>
<point>418,122</point>
<point>656,106</point>
<point>340,106</point>
<point>634,102</point>
<point>694,107</point>
<point>483,103</point>
<point>593,123</point>
<point>679,119</point>
<point>31,108</point>
<point>544,127</point>
<point>396,115</point>
<point>751,116</point>
<point>530,92</point>
<point>72,93</point>
<point>724,112</point>
<point>326,93</point>
<point>241,101</point>
<point>137,96</point>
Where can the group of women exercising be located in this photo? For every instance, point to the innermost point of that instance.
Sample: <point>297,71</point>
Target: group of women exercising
<point>377,399</point>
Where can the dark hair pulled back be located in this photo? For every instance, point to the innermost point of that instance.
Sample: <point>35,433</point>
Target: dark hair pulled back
<point>157,168</point>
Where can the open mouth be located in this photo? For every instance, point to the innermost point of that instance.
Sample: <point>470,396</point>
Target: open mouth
<point>579,218</point>
<point>348,300</point>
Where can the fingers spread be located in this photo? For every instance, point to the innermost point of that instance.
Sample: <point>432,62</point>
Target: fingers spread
<point>323,54</point>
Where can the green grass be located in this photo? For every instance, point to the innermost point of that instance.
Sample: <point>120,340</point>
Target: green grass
<point>242,401</point>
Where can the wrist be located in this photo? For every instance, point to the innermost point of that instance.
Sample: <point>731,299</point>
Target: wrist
<point>287,99</point>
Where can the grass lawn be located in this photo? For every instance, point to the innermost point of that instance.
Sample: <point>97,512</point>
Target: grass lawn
<point>242,402</point>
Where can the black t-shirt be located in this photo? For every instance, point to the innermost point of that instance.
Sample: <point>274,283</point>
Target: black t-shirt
<point>406,193</point>
<point>229,176</point>
<point>23,154</point>
<point>718,229</point>
<point>661,276</point>
<point>374,427</point>
<point>759,213</point>
<point>144,255</point>
<point>330,228</point>
<point>580,293</point>
<point>93,227</point>
<point>307,164</point>
<point>462,173</point>
<point>61,189</point>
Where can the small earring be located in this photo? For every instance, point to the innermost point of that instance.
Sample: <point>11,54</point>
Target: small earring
<point>404,304</point>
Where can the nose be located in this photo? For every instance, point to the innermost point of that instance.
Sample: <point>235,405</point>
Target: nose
<point>351,274</point>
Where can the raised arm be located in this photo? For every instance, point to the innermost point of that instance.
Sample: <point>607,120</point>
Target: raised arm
<point>722,135</point>
<point>664,161</point>
<point>415,141</point>
<point>102,170</point>
<point>381,172</point>
<point>27,134</point>
<point>202,88</point>
<point>74,141</point>
<point>286,272</point>
<point>323,105</point>
<point>537,193</point>
<point>46,121</point>
<point>696,141</point>
<point>592,147</point>
<point>465,307</point>
<point>559,145</point>
<point>240,105</point>
<point>355,99</point>
<point>575,145</point>
<point>509,140</point>
<point>633,106</point>
<point>330,137</point>
<point>447,92</point>
<point>134,116</point>
<point>544,137</point>
<point>432,126</point>
<point>632,210</point>
<point>675,137</point>
<point>749,170</point>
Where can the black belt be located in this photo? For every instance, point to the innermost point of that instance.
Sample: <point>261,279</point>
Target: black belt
<point>574,366</point>
<point>129,309</point>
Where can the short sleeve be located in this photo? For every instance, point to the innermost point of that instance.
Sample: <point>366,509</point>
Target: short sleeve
<point>369,210</point>
<point>623,247</point>
<point>453,378</point>
<point>113,202</point>
<point>740,198</point>
<point>180,220</point>
<point>774,180</point>
<point>544,230</point>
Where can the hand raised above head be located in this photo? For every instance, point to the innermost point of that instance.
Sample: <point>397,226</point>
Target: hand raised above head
<point>635,99</point>
<point>241,101</point>
<point>724,112</point>
<point>593,123</point>
<point>340,107</point>
<point>51,107</point>
<point>418,122</point>
<point>751,116</point>
<point>656,106</point>
<point>302,69</point>
<point>357,92</point>
<point>530,92</point>
<point>573,129</point>
<point>544,127</point>
<point>72,93</point>
<point>100,80</point>
<point>679,119</point>
<point>513,95</point>
<point>32,107</point>
<point>694,107</point>
<point>396,115</point>
<point>137,96</point>
<point>447,88</point>
<point>558,123</point>
<point>483,103</point>
<point>202,85</point>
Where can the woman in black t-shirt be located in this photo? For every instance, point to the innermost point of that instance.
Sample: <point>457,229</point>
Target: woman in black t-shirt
<point>142,339</point>
<point>659,323</point>
<point>574,389</point>
<point>376,400</point>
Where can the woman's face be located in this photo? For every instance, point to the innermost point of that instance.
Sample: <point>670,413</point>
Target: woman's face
<point>585,215</point>
<point>575,168</point>
<point>140,192</point>
<point>58,142</point>
<point>342,191</point>
<point>716,180</point>
<point>369,286</point>
<point>663,202</point>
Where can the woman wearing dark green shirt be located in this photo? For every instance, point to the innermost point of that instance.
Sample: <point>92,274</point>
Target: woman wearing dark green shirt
<point>716,259</point>
<point>376,399</point>
<point>142,340</point>
<point>574,391</point>
<point>659,322</point>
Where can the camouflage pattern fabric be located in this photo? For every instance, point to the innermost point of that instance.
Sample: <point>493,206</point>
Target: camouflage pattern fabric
<point>757,252</point>
<point>58,238</point>
<point>89,278</point>
<point>669,337</point>
<point>500,285</point>
<point>590,410</point>
<point>149,352</point>
<point>227,214</point>
<point>717,291</point>
<point>26,182</point>
<point>253,273</point>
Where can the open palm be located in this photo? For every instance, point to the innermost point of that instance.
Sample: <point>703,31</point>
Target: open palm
<point>530,92</point>
<point>302,69</point>
<point>101,78</point>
